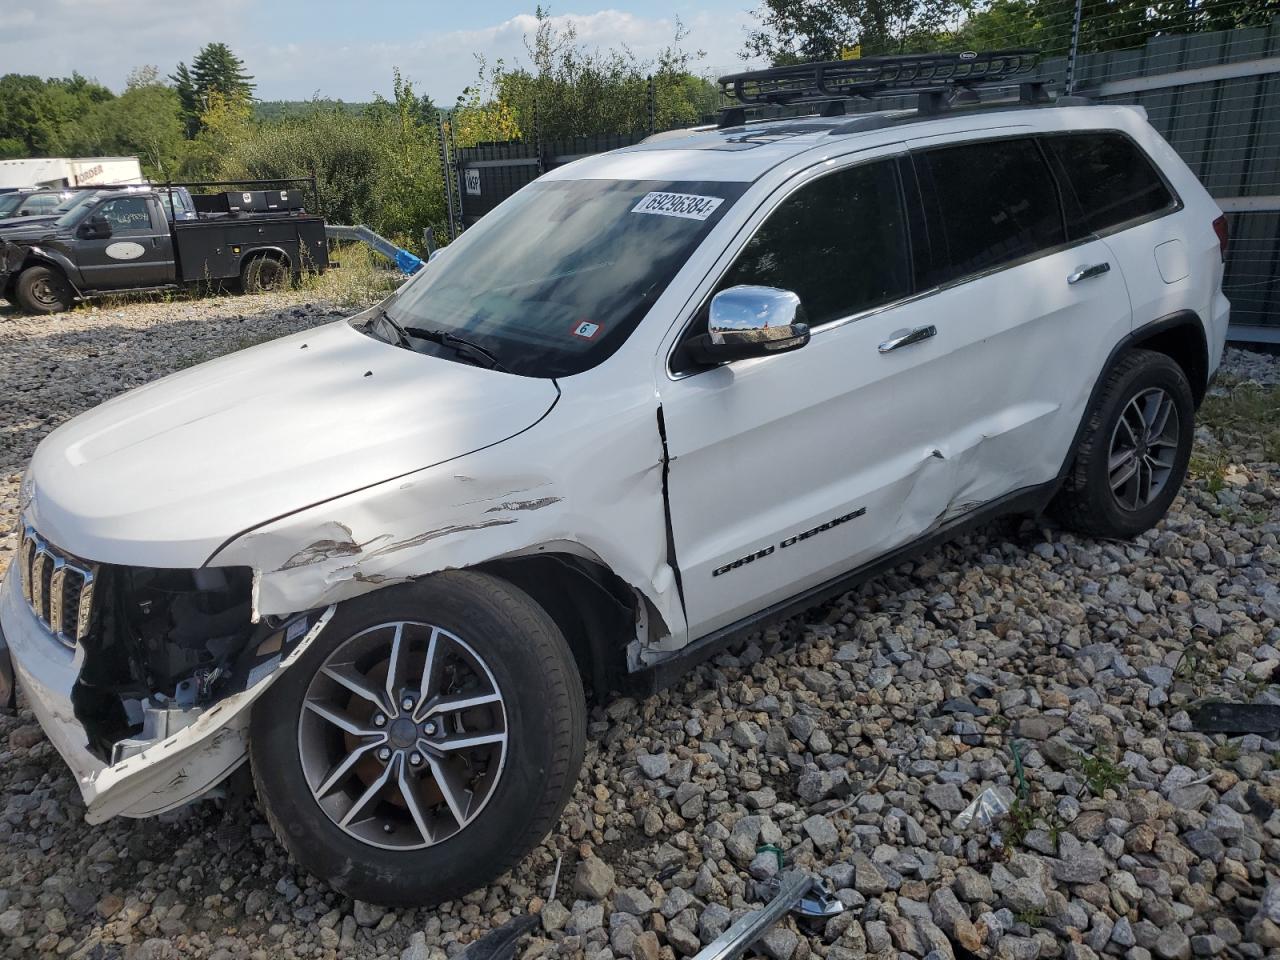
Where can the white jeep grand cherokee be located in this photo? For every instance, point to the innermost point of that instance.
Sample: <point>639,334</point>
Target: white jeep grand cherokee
<point>652,399</point>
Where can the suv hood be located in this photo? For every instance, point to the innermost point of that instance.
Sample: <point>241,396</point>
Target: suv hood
<point>164,475</point>
<point>12,224</point>
<point>28,229</point>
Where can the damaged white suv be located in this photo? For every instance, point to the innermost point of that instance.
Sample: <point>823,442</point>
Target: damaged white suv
<point>652,399</point>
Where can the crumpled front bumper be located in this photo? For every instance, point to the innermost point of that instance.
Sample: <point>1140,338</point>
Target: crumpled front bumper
<point>168,772</point>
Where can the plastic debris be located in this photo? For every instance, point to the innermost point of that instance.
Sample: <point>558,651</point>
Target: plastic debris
<point>1225,717</point>
<point>987,808</point>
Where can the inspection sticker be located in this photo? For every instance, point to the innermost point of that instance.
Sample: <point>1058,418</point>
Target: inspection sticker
<point>690,206</point>
<point>586,329</point>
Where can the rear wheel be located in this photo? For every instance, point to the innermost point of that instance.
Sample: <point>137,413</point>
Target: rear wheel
<point>1134,453</point>
<point>264,273</point>
<point>426,741</point>
<point>43,290</point>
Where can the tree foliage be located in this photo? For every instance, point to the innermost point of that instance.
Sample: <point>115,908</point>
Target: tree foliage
<point>215,72</point>
<point>569,90</point>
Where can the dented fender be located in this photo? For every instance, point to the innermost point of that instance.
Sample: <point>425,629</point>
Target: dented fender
<point>547,490</point>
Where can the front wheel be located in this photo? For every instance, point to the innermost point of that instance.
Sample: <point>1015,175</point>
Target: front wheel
<point>425,742</point>
<point>43,290</point>
<point>1133,456</point>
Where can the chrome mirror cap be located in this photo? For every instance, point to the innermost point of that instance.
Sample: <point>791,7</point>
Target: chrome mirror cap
<point>750,321</point>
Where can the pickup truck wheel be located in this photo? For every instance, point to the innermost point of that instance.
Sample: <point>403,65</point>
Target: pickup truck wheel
<point>426,741</point>
<point>1134,453</point>
<point>264,273</point>
<point>43,290</point>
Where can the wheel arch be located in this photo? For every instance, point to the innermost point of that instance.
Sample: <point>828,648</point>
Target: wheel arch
<point>269,252</point>
<point>596,610</point>
<point>1181,337</point>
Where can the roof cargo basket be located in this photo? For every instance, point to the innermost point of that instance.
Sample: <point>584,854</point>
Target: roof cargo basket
<point>874,77</point>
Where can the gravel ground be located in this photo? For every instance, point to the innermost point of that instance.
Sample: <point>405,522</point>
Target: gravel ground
<point>849,750</point>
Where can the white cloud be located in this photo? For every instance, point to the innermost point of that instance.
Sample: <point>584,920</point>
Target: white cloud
<point>111,37</point>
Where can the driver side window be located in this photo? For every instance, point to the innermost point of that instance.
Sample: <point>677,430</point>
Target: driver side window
<point>839,242</point>
<point>126,215</point>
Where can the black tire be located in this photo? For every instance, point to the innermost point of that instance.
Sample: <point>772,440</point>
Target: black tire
<point>43,290</point>
<point>1087,502</point>
<point>545,711</point>
<point>262,274</point>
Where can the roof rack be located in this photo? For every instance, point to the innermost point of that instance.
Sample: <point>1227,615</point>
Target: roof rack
<point>934,76</point>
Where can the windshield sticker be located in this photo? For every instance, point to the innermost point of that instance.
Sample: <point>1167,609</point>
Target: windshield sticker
<point>687,205</point>
<point>586,330</point>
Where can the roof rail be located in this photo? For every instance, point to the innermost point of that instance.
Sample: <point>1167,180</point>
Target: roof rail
<point>929,74</point>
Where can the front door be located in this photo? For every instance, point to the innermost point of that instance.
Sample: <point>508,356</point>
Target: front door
<point>139,252</point>
<point>787,470</point>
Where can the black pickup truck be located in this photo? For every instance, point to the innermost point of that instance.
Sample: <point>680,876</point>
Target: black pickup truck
<point>129,240</point>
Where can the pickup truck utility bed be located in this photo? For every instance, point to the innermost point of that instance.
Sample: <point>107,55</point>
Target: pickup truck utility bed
<point>128,240</point>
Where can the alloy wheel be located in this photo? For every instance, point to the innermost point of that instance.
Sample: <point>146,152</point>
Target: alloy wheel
<point>1144,447</point>
<point>403,735</point>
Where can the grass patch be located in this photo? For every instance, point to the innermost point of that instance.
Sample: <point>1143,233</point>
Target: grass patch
<point>1246,414</point>
<point>363,278</point>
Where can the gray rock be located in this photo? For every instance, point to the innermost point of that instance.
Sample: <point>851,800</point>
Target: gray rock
<point>417,948</point>
<point>714,921</point>
<point>779,943</point>
<point>594,879</point>
<point>822,832</point>
<point>1025,895</point>
<point>654,765</point>
<point>946,797</point>
<point>633,900</point>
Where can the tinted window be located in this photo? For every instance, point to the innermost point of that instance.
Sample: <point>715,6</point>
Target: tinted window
<point>126,214</point>
<point>839,243</point>
<point>1110,179</point>
<point>42,203</point>
<point>987,204</point>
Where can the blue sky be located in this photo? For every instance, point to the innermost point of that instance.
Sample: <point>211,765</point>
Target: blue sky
<point>342,50</point>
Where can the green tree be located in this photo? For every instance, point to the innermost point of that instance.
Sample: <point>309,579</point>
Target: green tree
<point>214,71</point>
<point>145,121</point>
<point>570,90</point>
<point>38,117</point>
<point>793,31</point>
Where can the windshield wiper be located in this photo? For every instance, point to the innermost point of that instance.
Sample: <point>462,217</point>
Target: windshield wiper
<point>402,335</point>
<point>461,345</point>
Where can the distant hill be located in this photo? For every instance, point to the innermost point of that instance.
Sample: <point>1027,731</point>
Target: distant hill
<point>269,110</point>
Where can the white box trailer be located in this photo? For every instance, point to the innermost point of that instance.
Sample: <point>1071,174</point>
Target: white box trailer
<point>68,172</point>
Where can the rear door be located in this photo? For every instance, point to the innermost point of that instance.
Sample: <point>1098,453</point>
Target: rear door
<point>1026,317</point>
<point>1114,192</point>
<point>139,252</point>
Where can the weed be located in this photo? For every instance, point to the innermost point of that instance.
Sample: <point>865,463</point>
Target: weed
<point>1020,821</point>
<point>1032,918</point>
<point>1101,773</point>
<point>1227,752</point>
<point>1211,469</point>
<point>362,279</point>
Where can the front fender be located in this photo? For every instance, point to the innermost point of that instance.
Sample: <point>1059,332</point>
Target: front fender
<point>56,258</point>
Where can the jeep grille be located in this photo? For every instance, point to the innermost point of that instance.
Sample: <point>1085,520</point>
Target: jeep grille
<point>57,586</point>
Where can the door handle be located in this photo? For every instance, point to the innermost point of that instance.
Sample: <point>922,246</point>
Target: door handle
<point>906,339</point>
<point>1084,273</point>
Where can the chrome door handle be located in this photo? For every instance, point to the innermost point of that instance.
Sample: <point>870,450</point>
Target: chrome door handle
<point>1084,273</point>
<point>908,338</point>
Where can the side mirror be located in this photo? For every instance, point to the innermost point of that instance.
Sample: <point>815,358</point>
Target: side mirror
<point>95,228</point>
<point>747,322</point>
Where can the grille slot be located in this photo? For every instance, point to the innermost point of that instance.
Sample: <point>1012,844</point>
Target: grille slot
<point>57,586</point>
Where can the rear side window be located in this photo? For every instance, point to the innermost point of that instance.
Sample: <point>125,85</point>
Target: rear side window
<point>987,204</point>
<point>1109,179</point>
<point>839,243</point>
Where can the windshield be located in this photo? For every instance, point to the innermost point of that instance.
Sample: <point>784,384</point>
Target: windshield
<point>77,211</point>
<point>555,279</point>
